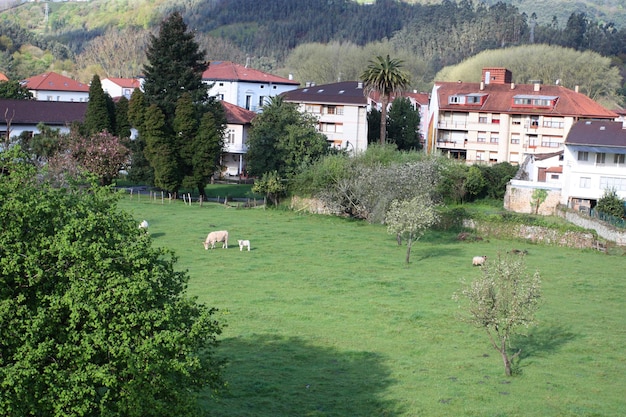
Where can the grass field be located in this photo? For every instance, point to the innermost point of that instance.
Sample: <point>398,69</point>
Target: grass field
<point>324,318</point>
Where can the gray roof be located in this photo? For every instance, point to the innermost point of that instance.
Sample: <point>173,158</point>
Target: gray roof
<point>597,136</point>
<point>33,112</point>
<point>346,92</point>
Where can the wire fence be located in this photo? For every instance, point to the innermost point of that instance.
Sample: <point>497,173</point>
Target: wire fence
<point>615,221</point>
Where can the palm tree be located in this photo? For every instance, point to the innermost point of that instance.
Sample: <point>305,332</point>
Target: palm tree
<point>384,76</point>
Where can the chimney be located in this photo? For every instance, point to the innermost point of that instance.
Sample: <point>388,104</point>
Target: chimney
<point>482,85</point>
<point>359,85</point>
<point>536,85</point>
<point>576,88</point>
<point>290,77</point>
<point>512,86</point>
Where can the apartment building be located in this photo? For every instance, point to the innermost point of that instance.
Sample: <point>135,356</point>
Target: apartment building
<point>496,120</point>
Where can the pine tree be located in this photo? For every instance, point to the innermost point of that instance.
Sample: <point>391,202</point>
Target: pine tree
<point>159,152</point>
<point>122,125</point>
<point>175,67</point>
<point>97,116</point>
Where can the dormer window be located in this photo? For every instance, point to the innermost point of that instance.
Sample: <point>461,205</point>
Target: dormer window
<point>470,99</point>
<point>534,101</point>
<point>456,99</point>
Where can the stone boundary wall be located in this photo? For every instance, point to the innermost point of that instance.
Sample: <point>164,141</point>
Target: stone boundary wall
<point>535,234</point>
<point>604,230</point>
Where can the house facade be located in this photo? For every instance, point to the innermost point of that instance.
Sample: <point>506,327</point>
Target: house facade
<point>239,121</point>
<point>20,116</point>
<point>120,87</point>
<point>51,86</point>
<point>497,120</point>
<point>243,86</point>
<point>341,110</point>
<point>594,162</point>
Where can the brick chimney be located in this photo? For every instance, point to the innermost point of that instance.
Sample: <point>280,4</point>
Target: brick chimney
<point>497,75</point>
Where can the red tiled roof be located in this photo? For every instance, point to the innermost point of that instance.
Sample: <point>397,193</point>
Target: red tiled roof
<point>229,71</point>
<point>33,112</point>
<point>55,82</point>
<point>420,98</point>
<point>125,82</point>
<point>237,115</point>
<point>499,99</point>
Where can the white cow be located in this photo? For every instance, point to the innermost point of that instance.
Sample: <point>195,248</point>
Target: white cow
<point>479,260</point>
<point>144,225</point>
<point>244,244</point>
<point>214,237</point>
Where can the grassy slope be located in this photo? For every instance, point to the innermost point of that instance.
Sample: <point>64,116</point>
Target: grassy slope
<point>325,319</point>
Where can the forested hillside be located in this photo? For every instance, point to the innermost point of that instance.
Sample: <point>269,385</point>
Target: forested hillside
<point>74,36</point>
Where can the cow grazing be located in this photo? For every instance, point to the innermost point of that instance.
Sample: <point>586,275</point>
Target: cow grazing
<point>214,237</point>
<point>144,225</point>
<point>479,260</point>
<point>244,244</point>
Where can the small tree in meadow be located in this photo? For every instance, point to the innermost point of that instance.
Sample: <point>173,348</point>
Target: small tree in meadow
<point>271,185</point>
<point>501,301</point>
<point>409,219</point>
<point>611,204</point>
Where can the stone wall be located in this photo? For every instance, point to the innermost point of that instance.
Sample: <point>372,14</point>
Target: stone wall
<point>603,229</point>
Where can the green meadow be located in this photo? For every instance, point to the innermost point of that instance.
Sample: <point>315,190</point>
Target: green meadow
<point>324,318</point>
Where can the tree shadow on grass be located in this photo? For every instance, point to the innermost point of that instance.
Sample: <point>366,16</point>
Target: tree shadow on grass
<point>540,341</point>
<point>272,376</point>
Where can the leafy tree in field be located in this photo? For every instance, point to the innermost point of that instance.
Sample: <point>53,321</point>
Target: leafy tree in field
<point>385,76</point>
<point>475,182</point>
<point>12,89</point>
<point>497,177</point>
<point>403,125</point>
<point>452,185</point>
<point>409,219</point>
<point>97,116</point>
<point>271,185</point>
<point>537,198</point>
<point>501,301</point>
<point>282,139</point>
<point>175,66</point>
<point>94,320</point>
<point>611,204</point>
<point>100,154</point>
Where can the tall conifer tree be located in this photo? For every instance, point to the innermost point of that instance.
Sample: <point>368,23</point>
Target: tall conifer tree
<point>97,116</point>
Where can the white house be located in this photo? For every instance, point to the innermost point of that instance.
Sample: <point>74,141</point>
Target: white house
<point>341,110</point>
<point>243,86</point>
<point>20,116</point>
<point>51,86</point>
<point>120,87</point>
<point>238,125</point>
<point>594,162</point>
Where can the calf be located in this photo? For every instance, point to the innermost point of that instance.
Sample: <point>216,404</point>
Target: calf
<point>244,244</point>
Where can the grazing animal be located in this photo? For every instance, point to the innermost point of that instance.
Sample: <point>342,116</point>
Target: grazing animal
<point>244,244</point>
<point>479,260</point>
<point>214,237</point>
<point>144,225</point>
<point>518,252</point>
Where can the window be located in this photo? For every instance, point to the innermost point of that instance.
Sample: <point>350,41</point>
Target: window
<point>482,119</point>
<point>550,141</point>
<point>516,120</point>
<point>534,122</point>
<point>600,158</point>
<point>515,140</point>
<point>330,110</point>
<point>248,102</point>
<point>495,120</point>
<point>553,122</point>
<point>455,100</point>
<point>220,97</point>
<point>493,157</point>
<point>514,157</point>
<point>230,136</point>
<point>494,139</point>
<point>310,108</point>
<point>585,182</point>
<point>583,156</point>
<point>480,156</point>
<point>617,184</point>
<point>474,99</point>
<point>261,100</point>
<point>618,158</point>
<point>554,177</point>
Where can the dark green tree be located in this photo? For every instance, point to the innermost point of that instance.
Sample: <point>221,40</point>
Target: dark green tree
<point>122,125</point>
<point>98,115</point>
<point>94,319</point>
<point>403,125</point>
<point>139,170</point>
<point>13,89</point>
<point>384,76</point>
<point>611,204</point>
<point>206,149</point>
<point>175,67</point>
<point>159,152</point>
<point>373,126</point>
<point>282,139</point>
